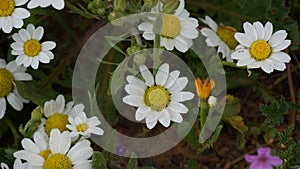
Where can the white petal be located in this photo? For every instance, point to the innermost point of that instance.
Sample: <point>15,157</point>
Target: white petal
<point>32,4</point>
<point>162,74</point>
<point>179,85</point>
<point>2,63</point>
<point>142,112</point>
<point>167,43</point>
<point>165,118</point>
<point>244,62</point>
<point>43,57</point>
<point>49,45</point>
<point>280,57</point>
<point>147,75</point>
<point>188,31</point>
<point>181,44</point>
<point>145,26</point>
<point>58,4</point>
<point>32,158</point>
<point>243,39</point>
<point>152,124</point>
<point>17,23</point>
<point>15,101</point>
<point>149,35</point>
<point>267,66</point>
<point>260,30</point>
<point>38,33</point>
<point>60,100</point>
<point>80,151</point>
<point>211,23</point>
<point>277,38</point>
<point>153,116</point>
<point>134,90</point>
<point>19,76</point>
<point>133,100</point>
<point>8,24</point>
<point>27,61</point>
<point>178,107</point>
<point>30,146</point>
<point>20,2</point>
<point>268,31</point>
<point>281,46</point>
<point>182,96</point>
<point>241,54</point>
<point>173,76</point>
<point>21,13</point>
<point>176,117</point>
<point>40,141</point>
<point>20,58</point>
<point>135,81</point>
<point>279,66</point>
<point>17,46</point>
<point>24,35</point>
<point>35,62</point>
<point>214,39</point>
<point>2,107</point>
<point>250,31</point>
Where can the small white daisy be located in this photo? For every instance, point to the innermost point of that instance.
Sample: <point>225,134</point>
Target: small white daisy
<point>11,16</point>
<point>56,115</point>
<point>40,147</point>
<point>8,74</point>
<point>219,36</point>
<point>81,125</point>
<point>28,48</point>
<point>57,4</point>
<point>158,98</point>
<point>259,48</point>
<point>177,30</point>
<point>62,154</point>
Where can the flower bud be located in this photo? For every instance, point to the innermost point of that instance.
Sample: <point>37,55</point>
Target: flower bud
<point>151,3</point>
<point>120,5</point>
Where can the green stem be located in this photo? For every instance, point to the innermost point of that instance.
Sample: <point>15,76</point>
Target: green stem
<point>14,131</point>
<point>232,64</point>
<point>202,104</point>
<point>156,54</point>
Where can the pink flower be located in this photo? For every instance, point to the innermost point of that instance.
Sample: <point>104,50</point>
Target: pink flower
<point>263,160</point>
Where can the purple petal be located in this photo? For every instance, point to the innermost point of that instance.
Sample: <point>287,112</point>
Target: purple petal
<point>264,152</point>
<point>274,161</point>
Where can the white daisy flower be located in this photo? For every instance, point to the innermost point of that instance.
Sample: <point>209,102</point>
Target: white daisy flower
<point>56,115</point>
<point>62,154</point>
<point>8,74</point>
<point>260,48</point>
<point>158,98</point>
<point>57,4</point>
<point>220,36</point>
<point>81,125</point>
<point>28,48</point>
<point>11,16</point>
<point>40,147</point>
<point>177,30</point>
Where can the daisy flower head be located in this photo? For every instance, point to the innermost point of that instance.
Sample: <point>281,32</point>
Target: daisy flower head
<point>39,146</point>
<point>158,98</point>
<point>177,30</point>
<point>57,4</point>
<point>8,74</point>
<point>56,115</point>
<point>11,16</point>
<point>260,48</point>
<point>28,48</point>
<point>264,159</point>
<point>61,155</point>
<point>81,125</point>
<point>219,36</point>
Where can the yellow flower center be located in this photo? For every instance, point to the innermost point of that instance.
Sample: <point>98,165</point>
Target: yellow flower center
<point>57,120</point>
<point>171,26</point>
<point>226,34</point>
<point>57,161</point>
<point>157,97</point>
<point>260,50</point>
<point>32,48</point>
<point>7,7</point>
<point>45,153</point>
<point>6,84</point>
<point>82,127</point>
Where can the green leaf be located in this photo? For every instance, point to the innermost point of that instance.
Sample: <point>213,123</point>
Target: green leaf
<point>76,10</point>
<point>98,160</point>
<point>274,113</point>
<point>132,163</point>
<point>232,106</point>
